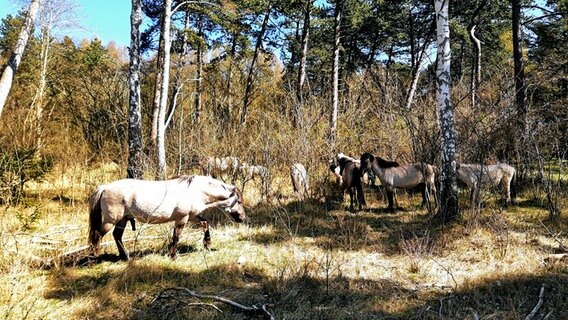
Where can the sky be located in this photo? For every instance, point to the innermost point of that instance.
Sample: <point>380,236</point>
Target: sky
<point>107,20</point>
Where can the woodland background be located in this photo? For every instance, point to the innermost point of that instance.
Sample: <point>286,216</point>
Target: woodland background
<point>242,85</point>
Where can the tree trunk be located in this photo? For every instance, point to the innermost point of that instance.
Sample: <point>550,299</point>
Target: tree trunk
<point>520,86</point>
<point>476,67</point>
<point>16,57</point>
<point>250,76</point>
<point>38,102</point>
<point>135,165</point>
<point>297,116</point>
<point>157,88</point>
<point>199,73</point>
<point>335,85</point>
<point>416,71</point>
<point>448,206</point>
<point>164,86</point>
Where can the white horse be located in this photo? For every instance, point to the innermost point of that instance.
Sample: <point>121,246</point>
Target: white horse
<point>299,177</point>
<point>181,200</point>
<point>477,176</point>
<point>216,167</point>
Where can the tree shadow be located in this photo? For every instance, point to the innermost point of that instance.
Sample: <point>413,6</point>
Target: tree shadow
<point>132,290</point>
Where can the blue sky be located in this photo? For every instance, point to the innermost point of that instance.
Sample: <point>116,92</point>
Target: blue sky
<point>108,20</point>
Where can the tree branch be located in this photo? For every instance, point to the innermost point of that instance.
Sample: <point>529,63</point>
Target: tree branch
<point>540,301</point>
<point>254,310</point>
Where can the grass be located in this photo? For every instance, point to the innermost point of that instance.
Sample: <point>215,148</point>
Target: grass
<point>308,260</point>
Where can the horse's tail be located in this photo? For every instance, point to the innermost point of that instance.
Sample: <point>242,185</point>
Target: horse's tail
<point>95,216</point>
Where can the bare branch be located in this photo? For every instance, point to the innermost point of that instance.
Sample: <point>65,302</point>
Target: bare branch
<point>258,310</point>
<point>538,305</point>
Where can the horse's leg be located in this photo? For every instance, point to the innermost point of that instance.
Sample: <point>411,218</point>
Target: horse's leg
<point>99,234</point>
<point>117,234</point>
<point>506,190</point>
<point>360,195</point>
<point>206,235</point>
<point>351,196</point>
<point>180,224</point>
<point>390,198</point>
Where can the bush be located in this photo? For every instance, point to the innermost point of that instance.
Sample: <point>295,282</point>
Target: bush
<point>16,168</point>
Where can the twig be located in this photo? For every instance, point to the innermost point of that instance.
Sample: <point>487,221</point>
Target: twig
<point>562,246</point>
<point>548,315</point>
<point>540,301</point>
<point>474,314</point>
<point>252,310</point>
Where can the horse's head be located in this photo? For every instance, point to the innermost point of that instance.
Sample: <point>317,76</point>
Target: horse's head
<point>367,160</point>
<point>236,208</point>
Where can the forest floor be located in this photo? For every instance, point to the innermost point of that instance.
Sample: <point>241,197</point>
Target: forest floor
<point>298,259</point>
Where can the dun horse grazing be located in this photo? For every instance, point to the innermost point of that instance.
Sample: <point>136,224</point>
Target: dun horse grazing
<point>299,177</point>
<point>249,172</point>
<point>350,173</point>
<point>393,175</point>
<point>216,167</point>
<point>476,176</point>
<point>180,200</point>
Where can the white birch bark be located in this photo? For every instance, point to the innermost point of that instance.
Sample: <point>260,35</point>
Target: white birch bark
<point>164,86</point>
<point>476,69</point>
<point>448,185</point>
<point>16,57</point>
<point>135,165</point>
<point>335,102</point>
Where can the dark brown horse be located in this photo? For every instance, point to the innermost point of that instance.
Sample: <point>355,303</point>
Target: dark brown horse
<point>350,181</point>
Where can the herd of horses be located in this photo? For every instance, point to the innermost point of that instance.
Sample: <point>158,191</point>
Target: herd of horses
<point>351,172</point>
<point>184,199</point>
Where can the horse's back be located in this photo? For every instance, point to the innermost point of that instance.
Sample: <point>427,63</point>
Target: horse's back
<point>146,200</point>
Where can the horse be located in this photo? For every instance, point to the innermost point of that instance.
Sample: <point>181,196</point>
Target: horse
<point>181,200</point>
<point>393,175</point>
<point>299,177</point>
<point>215,167</point>
<point>350,173</point>
<point>476,176</point>
<point>249,172</point>
<point>367,178</point>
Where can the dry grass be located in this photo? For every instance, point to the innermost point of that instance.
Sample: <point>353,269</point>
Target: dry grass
<point>306,259</point>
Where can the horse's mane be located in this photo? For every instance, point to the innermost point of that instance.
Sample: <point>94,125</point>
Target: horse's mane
<point>386,163</point>
<point>185,178</point>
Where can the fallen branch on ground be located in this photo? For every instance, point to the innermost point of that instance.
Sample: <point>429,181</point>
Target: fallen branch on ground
<point>254,310</point>
<point>556,258</point>
<point>540,301</point>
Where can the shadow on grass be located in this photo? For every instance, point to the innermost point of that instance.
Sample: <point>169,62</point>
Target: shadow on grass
<point>132,290</point>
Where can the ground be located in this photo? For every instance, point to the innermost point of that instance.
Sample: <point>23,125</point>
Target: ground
<point>301,259</point>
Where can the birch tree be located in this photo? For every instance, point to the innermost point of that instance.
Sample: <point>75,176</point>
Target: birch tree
<point>335,82</point>
<point>164,86</point>
<point>448,205</point>
<point>16,57</point>
<point>53,15</point>
<point>135,165</point>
